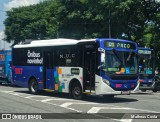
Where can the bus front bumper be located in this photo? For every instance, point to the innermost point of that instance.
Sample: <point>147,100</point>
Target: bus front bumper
<point>102,88</point>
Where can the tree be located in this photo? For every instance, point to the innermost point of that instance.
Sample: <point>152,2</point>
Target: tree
<point>32,22</point>
<point>85,19</point>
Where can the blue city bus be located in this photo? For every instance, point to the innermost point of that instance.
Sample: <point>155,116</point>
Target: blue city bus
<point>5,69</point>
<point>146,68</point>
<point>100,66</point>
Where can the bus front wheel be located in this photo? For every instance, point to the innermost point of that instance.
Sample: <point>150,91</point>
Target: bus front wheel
<point>33,86</point>
<point>154,90</point>
<point>76,91</point>
<point>143,90</point>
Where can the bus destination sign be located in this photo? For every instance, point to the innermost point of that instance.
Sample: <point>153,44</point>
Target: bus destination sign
<point>125,45</point>
<point>144,52</point>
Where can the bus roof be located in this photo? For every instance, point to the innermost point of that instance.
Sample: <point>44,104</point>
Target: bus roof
<point>63,41</point>
<point>53,42</point>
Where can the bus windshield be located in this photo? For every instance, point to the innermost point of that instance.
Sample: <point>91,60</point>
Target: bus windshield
<point>146,64</point>
<point>120,62</point>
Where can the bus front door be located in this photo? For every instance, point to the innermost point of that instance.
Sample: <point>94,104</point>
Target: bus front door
<point>48,71</point>
<point>89,69</point>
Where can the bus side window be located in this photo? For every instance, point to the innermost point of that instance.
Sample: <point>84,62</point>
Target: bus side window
<point>68,57</point>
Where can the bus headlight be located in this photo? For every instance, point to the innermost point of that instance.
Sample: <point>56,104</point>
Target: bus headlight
<point>106,81</point>
<point>150,80</point>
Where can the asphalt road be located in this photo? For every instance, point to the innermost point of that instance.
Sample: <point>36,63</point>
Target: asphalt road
<point>60,107</point>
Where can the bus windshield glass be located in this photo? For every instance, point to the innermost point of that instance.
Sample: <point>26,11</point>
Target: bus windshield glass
<point>120,62</point>
<point>146,63</point>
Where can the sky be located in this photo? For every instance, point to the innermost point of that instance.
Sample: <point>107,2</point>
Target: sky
<point>6,5</point>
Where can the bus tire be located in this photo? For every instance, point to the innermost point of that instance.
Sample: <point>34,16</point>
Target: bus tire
<point>33,86</point>
<point>143,90</point>
<point>76,91</point>
<point>154,91</point>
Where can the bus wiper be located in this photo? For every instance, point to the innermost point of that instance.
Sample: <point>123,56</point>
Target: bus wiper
<point>129,56</point>
<point>114,51</point>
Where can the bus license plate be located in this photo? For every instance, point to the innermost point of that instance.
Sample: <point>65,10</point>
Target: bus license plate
<point>126,92</point>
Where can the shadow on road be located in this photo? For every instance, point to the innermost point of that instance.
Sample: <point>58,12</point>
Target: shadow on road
<point>143,93</point>
<point>116,99</point>
<point>89,98</point>
<point>9,85</point>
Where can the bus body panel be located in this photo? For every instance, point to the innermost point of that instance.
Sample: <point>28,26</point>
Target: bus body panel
<point>50,67</point>
<point>123,85</point>
<point>49,79</point>
<point>64,75</point>
<point>22,74</point>
<point>59,82</point>
<point>102,88</point>
<point>5,70</point>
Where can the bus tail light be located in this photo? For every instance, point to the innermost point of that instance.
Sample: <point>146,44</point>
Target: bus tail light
<point>150,80</point>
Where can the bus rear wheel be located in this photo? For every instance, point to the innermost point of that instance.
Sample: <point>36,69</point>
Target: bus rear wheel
<point>76,91</point>
<point>33,86</point>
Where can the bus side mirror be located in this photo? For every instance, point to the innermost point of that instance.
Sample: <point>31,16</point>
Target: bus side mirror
<point>140,68</point>
<point>102,58</point>
<point>10,63</point>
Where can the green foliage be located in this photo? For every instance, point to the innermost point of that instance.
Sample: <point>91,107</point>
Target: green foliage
<point>32,22</point>
<point>138,20</point>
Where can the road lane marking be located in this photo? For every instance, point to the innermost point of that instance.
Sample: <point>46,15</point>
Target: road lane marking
<point>56,99</point>
<point>47,100</point>
<point>81,103</point>
<point>126,120</point>
<point>97,109</point>
<point>94,110</point>
<point>18,94</point>
<point>34,96</point>
<point>57,105</point>
<point>6,91</point>
<point>122,120</point>
<point>66,104</point>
